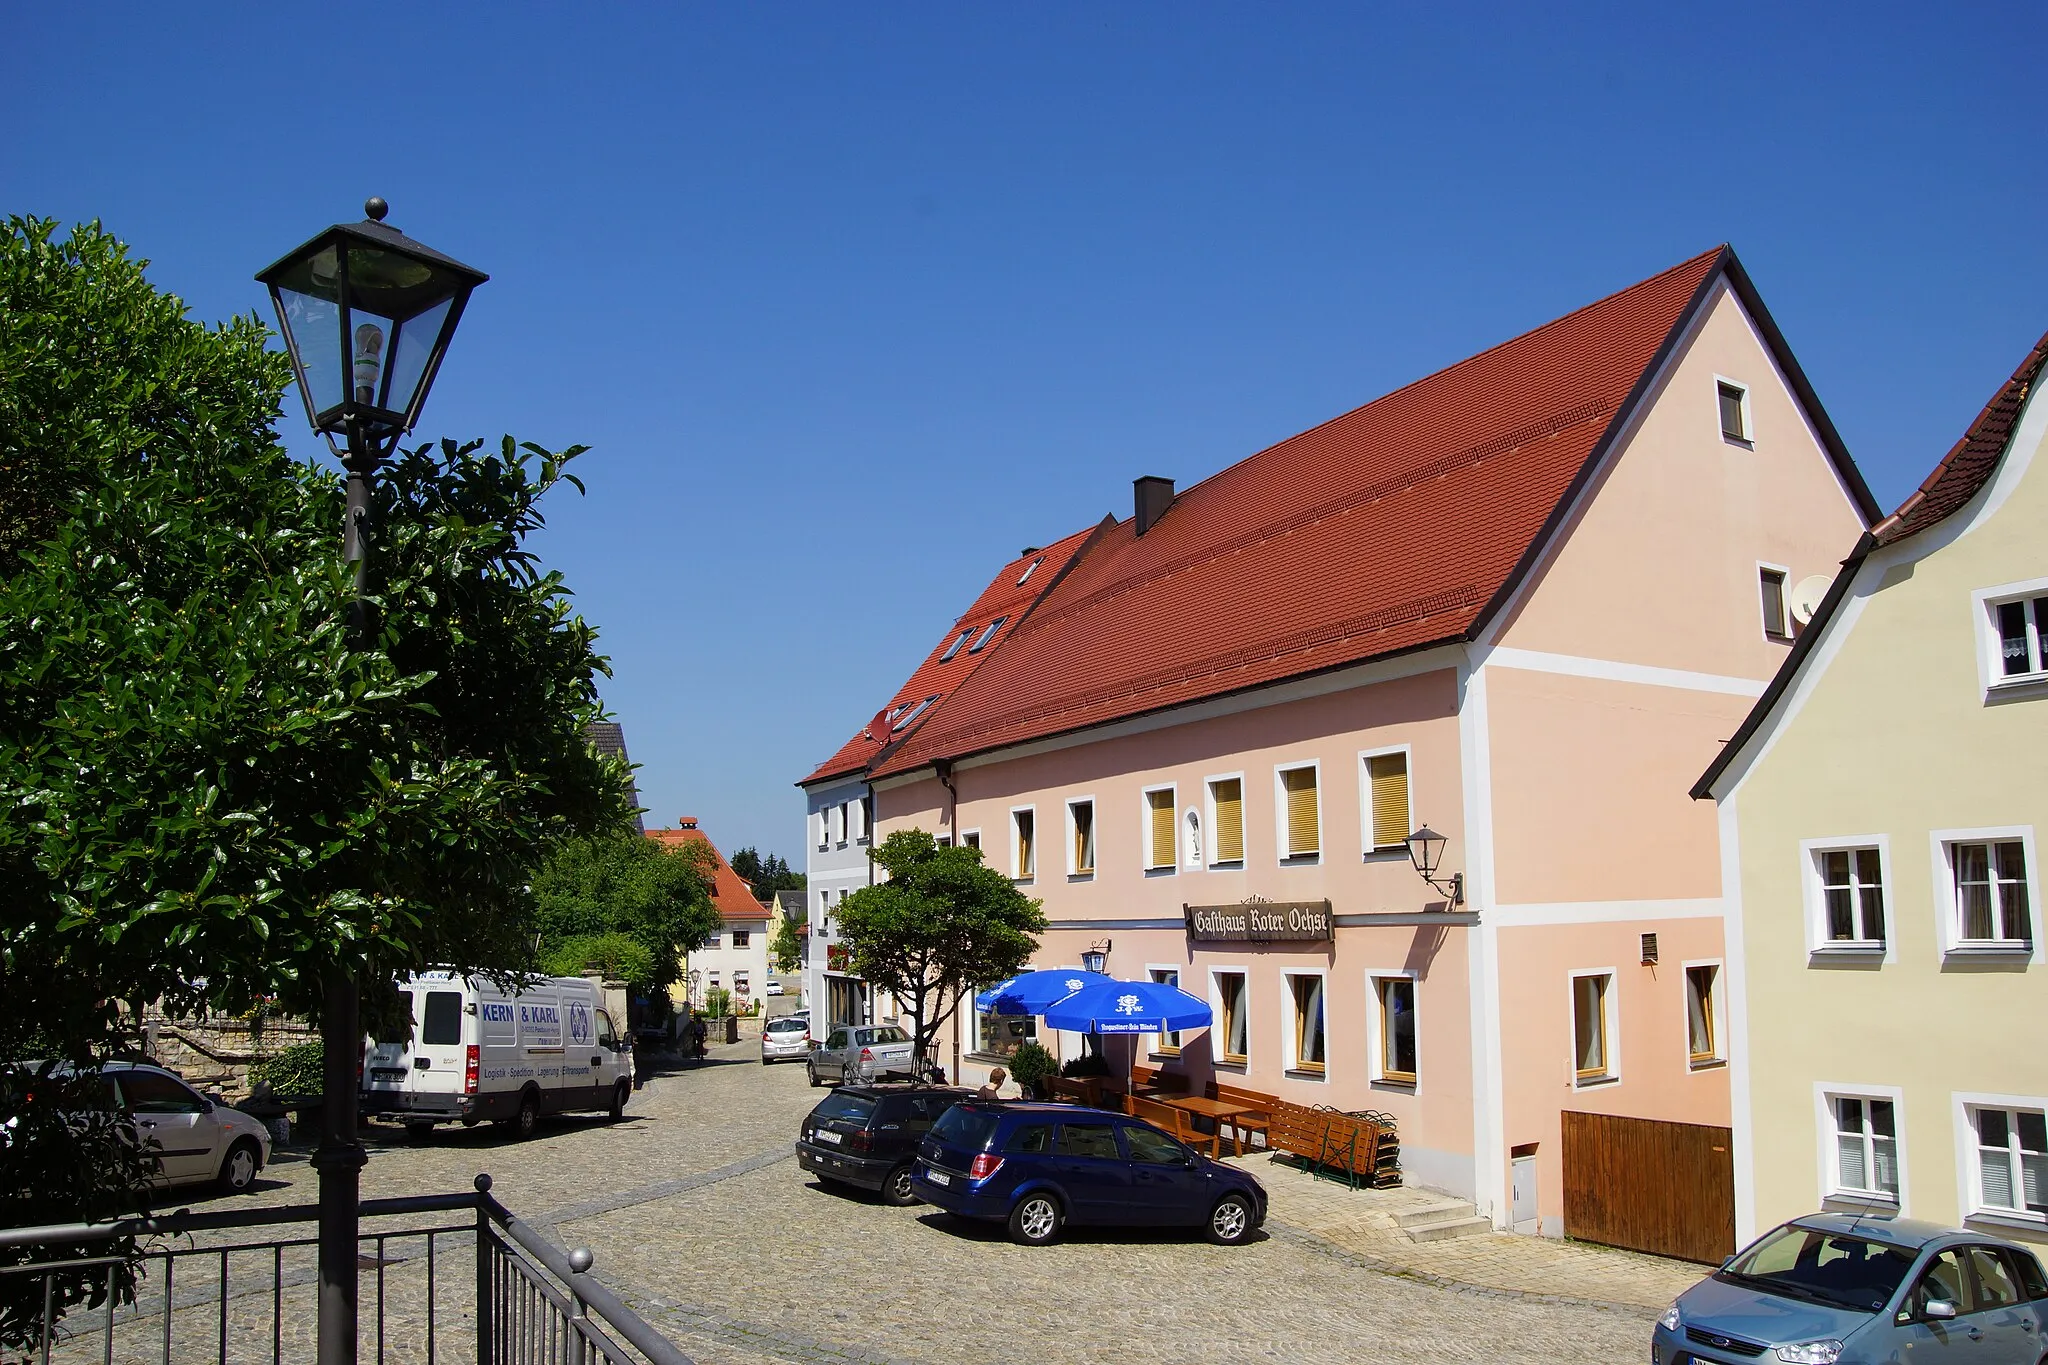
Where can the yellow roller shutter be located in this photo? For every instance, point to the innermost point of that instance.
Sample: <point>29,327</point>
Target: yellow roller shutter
<point>1160,813</point>
<point>1303,826</point>
<point>1390,827</point>
<point>1229,798</point>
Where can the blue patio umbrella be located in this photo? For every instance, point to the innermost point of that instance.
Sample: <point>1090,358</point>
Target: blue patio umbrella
<point>1128,1007</point>
<point>1034,992</point>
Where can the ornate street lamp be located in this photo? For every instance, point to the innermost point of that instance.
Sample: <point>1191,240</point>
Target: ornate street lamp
<point>367,314</point>
<point>1426,851</point>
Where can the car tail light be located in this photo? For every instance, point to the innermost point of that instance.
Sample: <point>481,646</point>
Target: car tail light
<point>985,1165</point>
<point>867,1054</point>
<point>861,1141</point>
<point>469,1070</point>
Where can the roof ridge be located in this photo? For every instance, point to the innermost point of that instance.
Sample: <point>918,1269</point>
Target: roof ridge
<point>1984,441</point>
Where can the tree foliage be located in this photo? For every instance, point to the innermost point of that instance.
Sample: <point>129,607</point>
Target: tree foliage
<point>623,884</point>
<point>621,957</point>
<point>765,874</point>
<point>943,923</point>
<point>786,946</point>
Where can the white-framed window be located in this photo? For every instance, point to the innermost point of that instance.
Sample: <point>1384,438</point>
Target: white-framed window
<point>1081,837</point>
<point>1230,995</point>
<point>1157,837</point>
<point>1771,580</point>
<point>2004,1139</point>
<point>865,807</point>
<point>1023,843</point>
<point>1860,1130</point>
<point>1225,800</point>
<point>1731,403</point>
<point>824,830</point>
<point>1167,1044</point>
<point>1985,889</point>
<point>1843,884</point>
<point>971,838</point>
<point>1298,813</point>
<point>1307,1031</point>
<point>839,824</point>
<point>2012,633</point>
<point>1596,1041</point>
<point>1384,800</point>
<point>1705,1043</point>
<point>1393,1041</point>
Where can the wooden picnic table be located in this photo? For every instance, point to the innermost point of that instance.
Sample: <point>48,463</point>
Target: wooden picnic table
<point>1218,1111</point>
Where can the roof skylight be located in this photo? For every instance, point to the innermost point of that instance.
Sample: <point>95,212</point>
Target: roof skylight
<point>954,648</point>
<point>986,635</point>
<point>1029,570</point>
<point>913,713</point>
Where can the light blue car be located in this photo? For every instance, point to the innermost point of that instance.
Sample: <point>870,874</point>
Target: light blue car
<point>1834,1289</point>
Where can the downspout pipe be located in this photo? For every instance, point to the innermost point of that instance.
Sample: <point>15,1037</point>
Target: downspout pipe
<point>944,768</point>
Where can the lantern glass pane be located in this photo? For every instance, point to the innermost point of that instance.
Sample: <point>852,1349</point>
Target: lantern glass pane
<point>369,356</point>
<point>407,367</point>
<point>392,284</point>
<point>314,324</point>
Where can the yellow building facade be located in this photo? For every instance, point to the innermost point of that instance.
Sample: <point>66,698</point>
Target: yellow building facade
<point>1881,811</point>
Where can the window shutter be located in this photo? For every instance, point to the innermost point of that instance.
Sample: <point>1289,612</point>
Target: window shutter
<point>1229,833</point>
<point>1390,827</point>
<point>1160,811</point>
<point>1302,823</point>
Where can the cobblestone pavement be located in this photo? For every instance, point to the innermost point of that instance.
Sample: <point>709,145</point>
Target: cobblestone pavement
<point>699,1217</point>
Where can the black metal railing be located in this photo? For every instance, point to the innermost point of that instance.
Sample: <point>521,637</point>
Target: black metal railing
<point>487,1290</point>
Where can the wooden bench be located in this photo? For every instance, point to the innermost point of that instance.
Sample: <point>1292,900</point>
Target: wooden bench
<point>1260,1121</point>
<point>1329,1141</point>
<point>1070,1089</point>
<point>1171,1120</point>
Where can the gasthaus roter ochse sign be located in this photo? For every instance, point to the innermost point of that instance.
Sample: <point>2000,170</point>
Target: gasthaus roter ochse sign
<point>1257,920</point>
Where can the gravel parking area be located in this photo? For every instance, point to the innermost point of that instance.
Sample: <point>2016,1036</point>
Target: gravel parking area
<point>698,1215</point>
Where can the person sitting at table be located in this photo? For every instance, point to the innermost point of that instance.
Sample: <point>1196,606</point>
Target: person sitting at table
<point>992,1088</point>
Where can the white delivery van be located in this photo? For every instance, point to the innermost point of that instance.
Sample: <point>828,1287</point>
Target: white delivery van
<point>477,1053</point>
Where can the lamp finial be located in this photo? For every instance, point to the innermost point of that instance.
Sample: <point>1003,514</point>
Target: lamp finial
<point>374,208</point>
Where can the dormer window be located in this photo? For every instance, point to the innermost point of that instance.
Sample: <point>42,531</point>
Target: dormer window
<point>986,635</point>
<point>1029,569</point>
<point>912,714</point>
<point>954,648</point>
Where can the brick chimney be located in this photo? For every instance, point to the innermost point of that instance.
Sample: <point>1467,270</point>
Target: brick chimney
<point>1151,496</point>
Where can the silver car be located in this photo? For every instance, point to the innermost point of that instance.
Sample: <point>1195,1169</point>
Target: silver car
<point>197,1141</point>
<point>863,1052</point>
<point>787,1039</point>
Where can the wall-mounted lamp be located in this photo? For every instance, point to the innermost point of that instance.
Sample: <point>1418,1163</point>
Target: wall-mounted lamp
<point>1096,958</point>
<point>1426,850</point>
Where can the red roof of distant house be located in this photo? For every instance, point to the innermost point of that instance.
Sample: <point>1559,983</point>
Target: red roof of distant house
<point>730,894</point>
<point>1008,598</point>
<point>1397,526</point>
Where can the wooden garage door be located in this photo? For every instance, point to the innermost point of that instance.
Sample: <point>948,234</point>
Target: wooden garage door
<point>1666,1188</point>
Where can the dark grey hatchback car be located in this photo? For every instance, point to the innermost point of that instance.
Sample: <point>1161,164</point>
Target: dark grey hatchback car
<point>868,1135</point>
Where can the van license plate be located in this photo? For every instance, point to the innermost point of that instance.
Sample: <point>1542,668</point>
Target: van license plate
<point>387,1073</point>
<point>825,1135</point>
<point>938,1177</point>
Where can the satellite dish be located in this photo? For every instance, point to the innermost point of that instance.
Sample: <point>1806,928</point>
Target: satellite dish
<point>878,729</point>
<point>1806,597</point>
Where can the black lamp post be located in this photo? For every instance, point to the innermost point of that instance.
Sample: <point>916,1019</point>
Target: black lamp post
<point>1426,850</point>
<point>367,314</point>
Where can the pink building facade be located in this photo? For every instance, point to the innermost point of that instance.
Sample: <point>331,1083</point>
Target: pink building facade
<point>1522,602</point>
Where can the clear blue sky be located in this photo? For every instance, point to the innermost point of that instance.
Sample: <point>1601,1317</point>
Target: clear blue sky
<point>855,301</point>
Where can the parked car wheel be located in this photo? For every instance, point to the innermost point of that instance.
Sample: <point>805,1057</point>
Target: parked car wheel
<point>238,1169</point>
<point>1036,1220</point>
<point>528,1118</point>
<point>811,1070</point>
<point>619,1093</point>
<point>1230,1222</point>
<point>896,1189</point>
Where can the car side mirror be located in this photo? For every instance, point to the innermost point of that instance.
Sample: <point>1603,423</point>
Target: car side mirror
<point>1938,1310</point>
<point>206,1106</point>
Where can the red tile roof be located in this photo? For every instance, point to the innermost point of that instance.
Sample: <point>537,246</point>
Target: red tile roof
<point>730,894</point>
<point>939,676</point>
<point>1972,461</point>
<point>1399,525</point>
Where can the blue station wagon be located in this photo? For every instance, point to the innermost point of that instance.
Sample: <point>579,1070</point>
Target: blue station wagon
<point>1832,1289</point>
<point>1039,1167</point>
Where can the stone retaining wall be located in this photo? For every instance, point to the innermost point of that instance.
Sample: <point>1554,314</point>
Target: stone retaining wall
<point>216,1054</point>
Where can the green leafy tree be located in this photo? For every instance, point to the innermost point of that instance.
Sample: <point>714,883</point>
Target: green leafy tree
<point>621,957</point>
<point>210,795</point>
<point>942,923</point>
<point>786,947</point>
<point>766,875</point>
<point>623,883</point>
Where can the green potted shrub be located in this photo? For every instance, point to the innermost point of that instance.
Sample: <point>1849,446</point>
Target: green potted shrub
<point>1087,1064</point>
<point>1031,1066</point>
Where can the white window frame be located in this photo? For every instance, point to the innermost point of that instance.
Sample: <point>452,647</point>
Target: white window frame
<point>839,823</point>
<point>1372,850</point>
<point>1074,871</point>
<point>1814,899</point>
<point>1294,1066</point>
<point>1784,572</point>
<point>1984,605</point>
<point>1209,821</point>
<point>1287,858</point>
<point>1016,873</point>
<point>1610,1010</point>
<point>1375,1031</point>
<point>1159,1047</point>
<point>1747,440</point>
<point>867,824</point>
<point>1219,1034</point>
<point>1948,914</point>
<point>974,834</point>
<point>1969,1184</point>
<point>1165,869</point>
<point>824,829</point>
<point>1717,1004</point>
<point>1825,1093</point>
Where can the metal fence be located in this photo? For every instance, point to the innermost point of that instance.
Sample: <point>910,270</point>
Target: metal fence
<point>485,1289</point>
